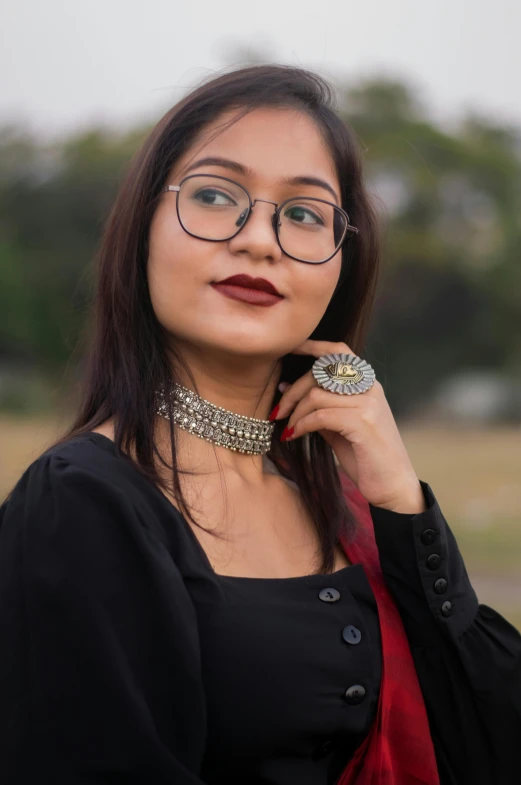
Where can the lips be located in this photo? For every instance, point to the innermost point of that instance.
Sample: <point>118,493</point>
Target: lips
<point>246,295</point>
<point>247,282</point>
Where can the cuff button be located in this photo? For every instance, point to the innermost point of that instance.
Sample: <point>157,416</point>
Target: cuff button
<point>446,608</point>
<point>440,586</point>
<point>434,561</point>
<point>428,536</point>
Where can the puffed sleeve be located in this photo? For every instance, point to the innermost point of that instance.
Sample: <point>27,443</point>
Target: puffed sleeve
<point>99,661</point>
<point>467,656</point>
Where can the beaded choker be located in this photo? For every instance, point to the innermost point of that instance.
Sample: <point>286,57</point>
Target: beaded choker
<point>215,424</point>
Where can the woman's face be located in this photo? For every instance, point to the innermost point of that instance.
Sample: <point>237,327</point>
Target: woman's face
<point>275,144</point>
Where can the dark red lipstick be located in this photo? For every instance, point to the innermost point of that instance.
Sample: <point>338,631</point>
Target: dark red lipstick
<point>256,291</point>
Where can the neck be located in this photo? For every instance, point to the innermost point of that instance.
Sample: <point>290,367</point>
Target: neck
<point>244,385</point>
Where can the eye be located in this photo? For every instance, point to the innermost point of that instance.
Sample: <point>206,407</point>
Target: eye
<point>303,215</point>
<point>211,196</point>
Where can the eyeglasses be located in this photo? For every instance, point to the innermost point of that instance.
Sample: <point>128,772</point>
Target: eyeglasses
<point>215,208</point>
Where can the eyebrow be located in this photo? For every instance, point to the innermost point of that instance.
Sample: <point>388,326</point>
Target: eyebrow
<point>246,171</point>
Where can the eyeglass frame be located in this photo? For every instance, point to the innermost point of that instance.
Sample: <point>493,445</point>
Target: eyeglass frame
<point>274,221</point>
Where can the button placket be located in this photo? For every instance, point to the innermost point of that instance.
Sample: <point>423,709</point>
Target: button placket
<point>356,693</point>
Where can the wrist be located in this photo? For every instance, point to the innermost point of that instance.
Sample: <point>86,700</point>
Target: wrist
<point>411,502</point>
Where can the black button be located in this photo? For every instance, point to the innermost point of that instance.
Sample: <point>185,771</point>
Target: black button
<point>440,586</point>
<point>446,608</point>
<point>323,749</point>
<point>329,595</point>
<point>428,536</point>
<point>355,694</point>
<point>351,634</point>
<point>434,561</point>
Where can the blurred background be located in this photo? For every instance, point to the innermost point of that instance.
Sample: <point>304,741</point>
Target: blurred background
<point>433,93</point>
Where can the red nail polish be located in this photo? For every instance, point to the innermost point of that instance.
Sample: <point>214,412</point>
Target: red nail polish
<point>286,433</point>
<point>274,412</point>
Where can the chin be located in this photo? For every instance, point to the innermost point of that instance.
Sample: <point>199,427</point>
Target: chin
<point>241,343</point>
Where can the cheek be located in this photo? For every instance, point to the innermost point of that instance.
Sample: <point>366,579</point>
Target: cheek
<point>319,284</point>
<point>173,268</point>
<point>312,295</point>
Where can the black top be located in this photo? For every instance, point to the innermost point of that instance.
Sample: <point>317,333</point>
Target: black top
<point>126,659</point>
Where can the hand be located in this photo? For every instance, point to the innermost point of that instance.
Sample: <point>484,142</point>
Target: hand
<point>360,429</point>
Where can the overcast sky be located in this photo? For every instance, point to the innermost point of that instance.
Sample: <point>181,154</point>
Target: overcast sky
<point>67,63</point>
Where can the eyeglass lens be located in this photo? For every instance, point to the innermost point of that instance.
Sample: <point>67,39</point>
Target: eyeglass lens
<point>213,208</point>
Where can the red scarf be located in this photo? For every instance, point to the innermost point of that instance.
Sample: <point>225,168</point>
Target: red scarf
<point>398,749</point>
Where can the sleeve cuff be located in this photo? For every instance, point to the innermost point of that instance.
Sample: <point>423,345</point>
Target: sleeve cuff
<point>419,554</point>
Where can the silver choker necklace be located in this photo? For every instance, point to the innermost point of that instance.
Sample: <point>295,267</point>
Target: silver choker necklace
<point>215,424</point>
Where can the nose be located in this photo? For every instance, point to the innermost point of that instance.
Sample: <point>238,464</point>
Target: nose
<point>257,236</point>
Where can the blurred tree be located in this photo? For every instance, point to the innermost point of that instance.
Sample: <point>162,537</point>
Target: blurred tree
<point>450,295</point>
<point>451,203</point>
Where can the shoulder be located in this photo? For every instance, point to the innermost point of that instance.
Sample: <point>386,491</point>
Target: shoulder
<point>80,514</point>
<point>83,485</point>
<point>90,456</point>
<point>79,458</point>
<point>79,549</point>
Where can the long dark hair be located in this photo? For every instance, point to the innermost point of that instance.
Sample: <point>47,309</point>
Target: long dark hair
<point>125,356</point>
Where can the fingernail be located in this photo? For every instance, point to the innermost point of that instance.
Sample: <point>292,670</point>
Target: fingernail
<point>284,386</point>
<point>274,412</point>
<point>286,433</point>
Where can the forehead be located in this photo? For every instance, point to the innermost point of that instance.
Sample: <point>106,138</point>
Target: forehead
<point>272,142</point>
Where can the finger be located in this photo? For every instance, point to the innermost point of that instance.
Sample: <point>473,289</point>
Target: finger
<point>343,421</point>
<point>292,395</point>
<point>298,389</point>
<point>318,348</point>
<point>318,398</point>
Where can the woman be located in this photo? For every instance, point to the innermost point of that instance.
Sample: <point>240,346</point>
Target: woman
<point>205,581</point>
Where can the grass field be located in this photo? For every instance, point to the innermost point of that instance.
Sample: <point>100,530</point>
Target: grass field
<point>475,475</point>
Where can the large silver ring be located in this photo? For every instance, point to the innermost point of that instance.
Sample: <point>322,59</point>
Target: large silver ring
<point>345,374</point>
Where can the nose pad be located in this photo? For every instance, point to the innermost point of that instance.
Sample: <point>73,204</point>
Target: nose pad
<point>241,220</point>
<point>242,217</point>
